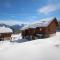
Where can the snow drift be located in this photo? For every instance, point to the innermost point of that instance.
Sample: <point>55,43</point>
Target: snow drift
<point>40,49</point>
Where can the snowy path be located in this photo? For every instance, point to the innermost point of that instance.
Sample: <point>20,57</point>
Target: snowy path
<point>41,49</point>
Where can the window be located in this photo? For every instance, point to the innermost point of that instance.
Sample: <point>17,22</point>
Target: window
<point>40,29</point>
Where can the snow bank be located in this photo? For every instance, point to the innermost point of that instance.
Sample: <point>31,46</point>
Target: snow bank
<point>40,49</point>
<point>16,36</point>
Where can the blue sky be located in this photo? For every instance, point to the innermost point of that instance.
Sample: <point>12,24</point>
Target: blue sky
<point>28,11</point>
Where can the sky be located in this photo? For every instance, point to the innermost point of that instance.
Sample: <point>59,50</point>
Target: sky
<point>28,11</point>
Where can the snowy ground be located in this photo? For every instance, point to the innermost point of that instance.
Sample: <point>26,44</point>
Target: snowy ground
<point>40,49</point>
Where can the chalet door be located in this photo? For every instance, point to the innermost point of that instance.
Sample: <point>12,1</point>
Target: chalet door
<point>0,39</point>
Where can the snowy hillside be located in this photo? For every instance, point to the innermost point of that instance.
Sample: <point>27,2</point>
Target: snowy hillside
<point>40,49</point>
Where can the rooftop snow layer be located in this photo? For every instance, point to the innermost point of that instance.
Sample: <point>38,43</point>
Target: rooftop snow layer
<point>41,23</point>
<point>5,30</point>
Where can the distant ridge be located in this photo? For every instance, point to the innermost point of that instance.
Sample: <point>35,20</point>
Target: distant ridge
<point>15,28</point>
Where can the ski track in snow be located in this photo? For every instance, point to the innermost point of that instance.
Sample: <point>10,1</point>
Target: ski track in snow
<point>40,49</point>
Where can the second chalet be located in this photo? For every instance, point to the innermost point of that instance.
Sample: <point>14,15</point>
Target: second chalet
<point>5,33</point>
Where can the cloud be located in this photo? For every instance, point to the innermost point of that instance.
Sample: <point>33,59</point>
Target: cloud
<point>13,22</point>
<point>10,22</point>
<point>48,8</point>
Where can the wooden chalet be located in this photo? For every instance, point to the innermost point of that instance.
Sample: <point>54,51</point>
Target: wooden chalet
<point>5,33</point>
<point>44,29</point>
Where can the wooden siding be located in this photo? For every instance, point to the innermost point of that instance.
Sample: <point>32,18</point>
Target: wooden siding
<point>4,36</point>
<point>52,28</point>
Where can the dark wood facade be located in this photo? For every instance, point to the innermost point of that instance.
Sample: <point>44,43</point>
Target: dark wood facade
<point>40,32</point>
<point>5,36</point>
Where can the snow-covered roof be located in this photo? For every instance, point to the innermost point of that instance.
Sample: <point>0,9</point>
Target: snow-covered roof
<point>41,23</point>
<point>5,30</point>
